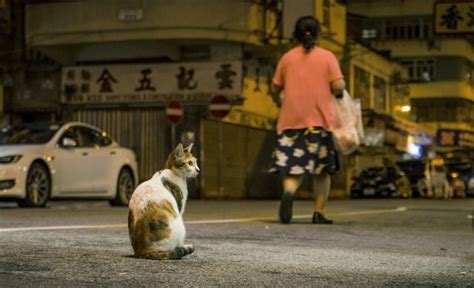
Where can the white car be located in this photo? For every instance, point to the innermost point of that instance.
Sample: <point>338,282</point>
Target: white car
<point>39,162</point>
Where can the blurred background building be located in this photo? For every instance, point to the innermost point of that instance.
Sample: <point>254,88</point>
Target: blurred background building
<point>434,41</point>
<point>117,63</point>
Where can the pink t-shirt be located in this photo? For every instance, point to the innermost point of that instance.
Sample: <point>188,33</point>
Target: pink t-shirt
<point>306,77</point>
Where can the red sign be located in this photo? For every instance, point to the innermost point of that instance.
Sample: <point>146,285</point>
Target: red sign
<point>219,106</point>
<point>174,112</point>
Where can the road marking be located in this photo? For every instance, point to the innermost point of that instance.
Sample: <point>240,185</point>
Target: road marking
<point>63,227</point>
<point>217,221</point>
<point>255,219</point>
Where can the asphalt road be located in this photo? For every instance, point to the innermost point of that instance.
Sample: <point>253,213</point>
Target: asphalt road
<point>415,243</point>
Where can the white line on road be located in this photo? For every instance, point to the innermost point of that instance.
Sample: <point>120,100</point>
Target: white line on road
<point>361,212</point>
<point>217,221</point>
<point>63,227</point>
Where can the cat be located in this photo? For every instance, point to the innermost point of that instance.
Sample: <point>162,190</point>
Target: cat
<point>155,222</point>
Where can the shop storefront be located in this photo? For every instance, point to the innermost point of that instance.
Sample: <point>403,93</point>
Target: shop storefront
<point>129,102</point>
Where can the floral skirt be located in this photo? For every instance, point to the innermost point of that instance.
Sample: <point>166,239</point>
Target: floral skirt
<point>304,151</point>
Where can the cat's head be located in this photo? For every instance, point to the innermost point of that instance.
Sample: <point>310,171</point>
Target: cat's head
<point>182,162</point>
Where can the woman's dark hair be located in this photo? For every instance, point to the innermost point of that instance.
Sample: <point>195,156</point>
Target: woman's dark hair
<point>307,31</point>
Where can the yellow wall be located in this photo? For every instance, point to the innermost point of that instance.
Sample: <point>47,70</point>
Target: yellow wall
<point>434,126</point>
<point>258,108</point>
<point>381,67</point>
<point>391,7</point>
<point>259,104</point>
<point>338,22</point>
<point>333,37</point>
<point>441,47</point>
<point>440,89</point>
<point>76,22</point>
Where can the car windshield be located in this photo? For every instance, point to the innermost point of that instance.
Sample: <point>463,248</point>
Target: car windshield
<point>27,134</point>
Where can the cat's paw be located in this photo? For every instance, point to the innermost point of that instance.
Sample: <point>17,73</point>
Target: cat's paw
<point>189,248</point>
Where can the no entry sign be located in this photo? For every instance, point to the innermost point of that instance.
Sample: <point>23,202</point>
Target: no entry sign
<point>174,112</point>
<point>219,106</point>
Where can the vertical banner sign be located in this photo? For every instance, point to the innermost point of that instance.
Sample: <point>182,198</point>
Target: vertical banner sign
<point>454,17</point>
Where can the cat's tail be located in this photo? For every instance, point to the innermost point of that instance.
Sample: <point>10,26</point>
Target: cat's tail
<point>155,254</point>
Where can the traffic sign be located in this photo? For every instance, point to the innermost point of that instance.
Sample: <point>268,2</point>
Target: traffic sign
<point>219,106</point>
<point>174,112</point>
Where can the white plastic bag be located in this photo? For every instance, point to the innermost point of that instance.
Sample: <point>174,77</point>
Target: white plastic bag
<point>348,131</point>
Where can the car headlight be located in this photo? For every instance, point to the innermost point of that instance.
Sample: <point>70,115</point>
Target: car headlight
<point>9,159</point>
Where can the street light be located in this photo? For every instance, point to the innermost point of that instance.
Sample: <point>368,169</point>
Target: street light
<point>405,108</point>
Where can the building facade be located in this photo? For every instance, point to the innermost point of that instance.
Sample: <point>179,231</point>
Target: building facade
<point>117,64</point>
<point>425,38</point>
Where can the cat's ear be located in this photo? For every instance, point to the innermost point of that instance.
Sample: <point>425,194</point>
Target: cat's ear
<point>179,152</point>
<point>188,149</point>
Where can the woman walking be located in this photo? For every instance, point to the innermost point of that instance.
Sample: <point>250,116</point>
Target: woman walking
<point>309,77</point>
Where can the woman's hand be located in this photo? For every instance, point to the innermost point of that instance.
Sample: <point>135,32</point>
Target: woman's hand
<point>337,88</point>
<point>276,90</point>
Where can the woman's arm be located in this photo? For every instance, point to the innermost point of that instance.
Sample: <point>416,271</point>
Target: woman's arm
<point>276,90</point>
<point>337,87</point>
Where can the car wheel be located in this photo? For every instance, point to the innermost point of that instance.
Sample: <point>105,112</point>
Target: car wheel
<point>125,187</point>
<point>38,187</point>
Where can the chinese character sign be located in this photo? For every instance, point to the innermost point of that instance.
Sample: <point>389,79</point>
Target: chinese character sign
<point>454,17</point>
<point>450,137</point>
<point>151,82</point>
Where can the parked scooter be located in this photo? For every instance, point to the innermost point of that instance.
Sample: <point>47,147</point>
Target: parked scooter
<point>377,182</point>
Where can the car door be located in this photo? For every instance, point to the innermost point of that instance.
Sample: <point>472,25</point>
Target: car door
<point>73,165</point>
<point>101,159</point>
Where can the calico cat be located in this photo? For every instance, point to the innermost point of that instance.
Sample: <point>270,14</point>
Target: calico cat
<point>155,222</point>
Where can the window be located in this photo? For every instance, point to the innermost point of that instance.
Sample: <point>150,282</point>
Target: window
<point>369,34</point>
<point>326,12</point>
<point>404,29</point>
<point>409,32</point>
<point>94,138</point>
<point>420,70</point>
<point>362,86</point>
<point>395,33</point>
<point>388,31</point>
<point>402,32</point>
<point>380,86</point>
<point>410,67</point>
<point>416,31</point>
<point>73,134</point>
<point>426,31</point>
<point>443,110</point>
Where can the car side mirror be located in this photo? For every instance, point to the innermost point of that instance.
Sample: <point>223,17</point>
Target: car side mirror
<point>68,143</point>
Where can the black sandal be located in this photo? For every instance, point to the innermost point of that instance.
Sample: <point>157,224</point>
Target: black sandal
<point>319,218</point>
<point>286,207</point>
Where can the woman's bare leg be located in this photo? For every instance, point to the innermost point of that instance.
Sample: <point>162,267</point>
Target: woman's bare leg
<point>321,188</point>
<point>290,186</point>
